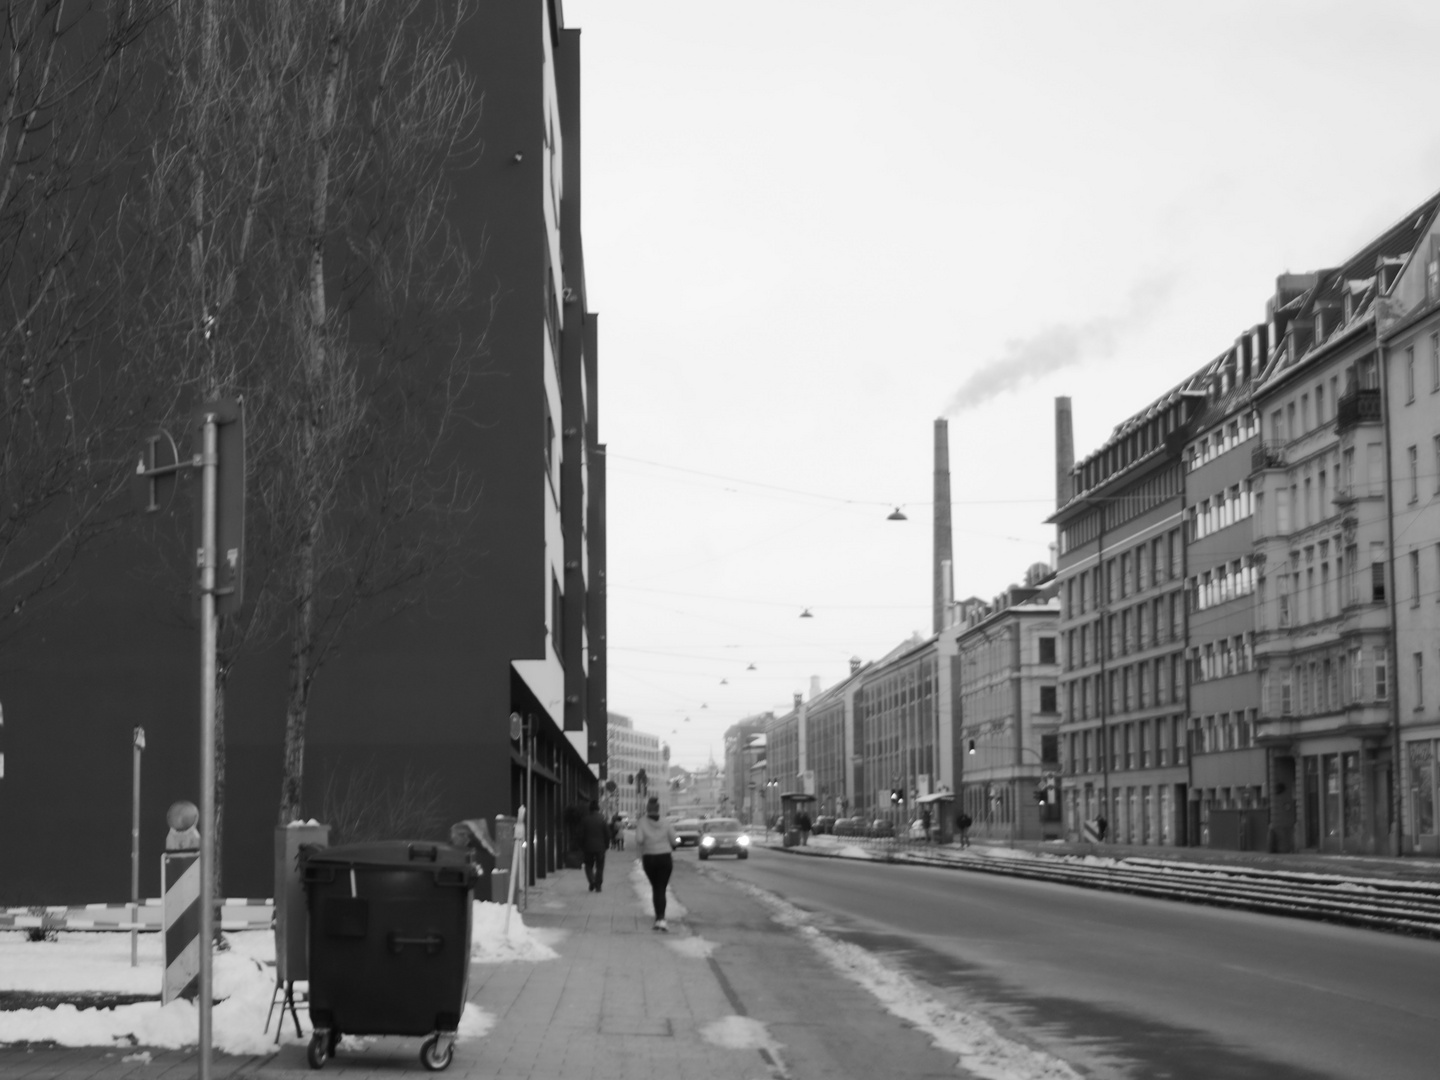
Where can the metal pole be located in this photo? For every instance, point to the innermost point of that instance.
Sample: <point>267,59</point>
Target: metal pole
<point>529,801</point>
<point>138,744</point>
<point>207,735</point>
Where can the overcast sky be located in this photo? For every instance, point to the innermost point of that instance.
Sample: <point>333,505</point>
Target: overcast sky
<point>814,226</point>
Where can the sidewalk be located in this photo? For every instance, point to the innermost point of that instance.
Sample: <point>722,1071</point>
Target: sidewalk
<point>620,1002</point>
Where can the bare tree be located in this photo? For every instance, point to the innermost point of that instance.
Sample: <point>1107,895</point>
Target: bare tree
<point>69,413</point>
<point>300,255</point>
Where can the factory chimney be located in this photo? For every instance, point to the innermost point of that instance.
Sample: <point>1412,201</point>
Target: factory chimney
<point>1064,451</point>
<point>943,552</point>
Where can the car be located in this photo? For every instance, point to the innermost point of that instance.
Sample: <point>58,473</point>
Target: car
<point>824,824</point>
<point>724,836</point>
<point>880,827</point>
<point>851,826</point>
<point>687,832</point>
<point>917,830</point>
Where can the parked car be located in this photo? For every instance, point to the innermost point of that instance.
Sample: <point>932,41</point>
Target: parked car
<point>824,824</point>
<point>851,826</point>
<point>724,836</point>
<point>917,830</point>
<point>687,832</point>
<point>880,827</point>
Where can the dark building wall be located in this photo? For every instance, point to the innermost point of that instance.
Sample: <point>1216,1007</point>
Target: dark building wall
<point>430,689</point>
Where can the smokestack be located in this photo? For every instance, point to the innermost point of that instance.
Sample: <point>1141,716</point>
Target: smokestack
<point>1064,451</point>
<point>814,687</point>
<point>943,552</point>
<point>854,665</point>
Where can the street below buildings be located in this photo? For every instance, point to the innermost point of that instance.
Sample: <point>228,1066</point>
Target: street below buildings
<point>1122,986</point>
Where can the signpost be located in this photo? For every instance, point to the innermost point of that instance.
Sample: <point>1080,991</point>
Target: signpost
<point>138,745</point>
<point>219,556</point>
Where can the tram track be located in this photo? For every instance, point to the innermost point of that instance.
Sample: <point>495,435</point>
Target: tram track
<point>1393,906</point>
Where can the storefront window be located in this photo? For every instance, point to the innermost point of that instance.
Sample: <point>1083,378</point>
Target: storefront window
<point>1312,802</point>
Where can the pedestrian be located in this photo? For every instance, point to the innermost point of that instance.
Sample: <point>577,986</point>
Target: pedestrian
<point>617,834</point>
<point>802,822</point>
<point>925,823</point>
<point>594,839</point>
<point>656,840</point>
<point>1101,825</point>
<point>963,823</point>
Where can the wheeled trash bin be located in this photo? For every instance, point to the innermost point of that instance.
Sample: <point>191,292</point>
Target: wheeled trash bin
<point>389,944</point>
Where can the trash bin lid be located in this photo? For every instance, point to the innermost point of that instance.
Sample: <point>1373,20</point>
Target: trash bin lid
<point>392,854</point>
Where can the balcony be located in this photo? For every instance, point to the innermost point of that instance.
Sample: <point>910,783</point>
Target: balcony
<point>1357,407</point>
<point>1267,456</point>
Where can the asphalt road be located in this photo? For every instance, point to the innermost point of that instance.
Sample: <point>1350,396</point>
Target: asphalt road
<point>1124,986</point>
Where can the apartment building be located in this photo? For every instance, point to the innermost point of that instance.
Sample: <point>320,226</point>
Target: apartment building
<point>830,741</point>
<point>1121,574</point>
<point>1323,542</point>
<point>1410,381</point>
<point>897,723</point>
<point>638,764</point>
<point>1008,718</point>
<point>1229,785</point>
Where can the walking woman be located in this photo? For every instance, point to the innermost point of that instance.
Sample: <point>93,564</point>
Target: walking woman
<point>656,839</point>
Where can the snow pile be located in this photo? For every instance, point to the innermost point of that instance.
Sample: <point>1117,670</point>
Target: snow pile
<point>244,978</point>
<point>491,943</point>
<point>982,1050</point>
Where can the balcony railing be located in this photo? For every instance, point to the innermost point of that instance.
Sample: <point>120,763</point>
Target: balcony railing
<point>1266,456</point>
<point>1357,407</point>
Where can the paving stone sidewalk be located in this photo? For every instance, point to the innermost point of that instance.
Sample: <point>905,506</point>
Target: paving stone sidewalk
<point>620,1001</point>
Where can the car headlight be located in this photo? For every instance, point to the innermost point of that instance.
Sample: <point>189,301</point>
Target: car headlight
<point>707,841</point>
<point>743,840</point>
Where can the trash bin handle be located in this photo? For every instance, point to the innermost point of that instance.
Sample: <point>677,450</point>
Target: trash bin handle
<point>432,942</point>
<point>429,852</point>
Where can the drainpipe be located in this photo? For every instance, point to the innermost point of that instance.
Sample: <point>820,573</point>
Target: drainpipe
<point>1397,784</point>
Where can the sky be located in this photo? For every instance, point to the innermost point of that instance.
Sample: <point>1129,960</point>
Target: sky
<point>813,227</point>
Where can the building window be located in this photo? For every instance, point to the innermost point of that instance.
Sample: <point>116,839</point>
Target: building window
<point>1419,680</point>
<point>1047,650</point>
<point>1382,673</point>
<point>1377,573</point>
<point>1434,362</point>
<point>1047,699</point>
<point>1415,578</point>
<point>1413,456</point>
<point>1409,373</point>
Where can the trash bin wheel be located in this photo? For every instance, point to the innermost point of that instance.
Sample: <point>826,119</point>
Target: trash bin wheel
<point>432,1057</point>
<point>319,1050</point>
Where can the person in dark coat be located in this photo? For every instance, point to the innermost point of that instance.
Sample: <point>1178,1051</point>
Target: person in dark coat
<point>594,842</point>
<point>962,823</point>
<point>802,822</point>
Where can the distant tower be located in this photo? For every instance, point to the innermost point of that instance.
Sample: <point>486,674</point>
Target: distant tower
<point>1064,451</point>
<point>943,553</point>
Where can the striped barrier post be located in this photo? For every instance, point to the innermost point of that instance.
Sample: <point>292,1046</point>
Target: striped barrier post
<point>180,904</point>
<point>1091,829</point>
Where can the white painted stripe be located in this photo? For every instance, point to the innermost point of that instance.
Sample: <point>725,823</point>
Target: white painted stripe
<point>183,892</point>
<point>180,971</point>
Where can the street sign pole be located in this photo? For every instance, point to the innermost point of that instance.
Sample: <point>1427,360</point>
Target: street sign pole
<point>206,558</point>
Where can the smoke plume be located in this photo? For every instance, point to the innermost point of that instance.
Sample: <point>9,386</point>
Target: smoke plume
<point>1061,345</point>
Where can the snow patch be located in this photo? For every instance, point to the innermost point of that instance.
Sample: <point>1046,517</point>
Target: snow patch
<point>697,948</point>
<point>737,1033</point>
<point>982,1049</point>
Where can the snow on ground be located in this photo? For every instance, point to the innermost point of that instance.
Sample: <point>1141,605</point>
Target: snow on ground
<point>697,948</point>
<point>244,978</point>
<point>740,1033</point>
<point>982,1050</point>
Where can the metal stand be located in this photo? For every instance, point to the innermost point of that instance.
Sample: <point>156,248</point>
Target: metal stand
<point>284,995</point>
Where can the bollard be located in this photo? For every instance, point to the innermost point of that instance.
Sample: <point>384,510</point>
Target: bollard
<point>180,904</point>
